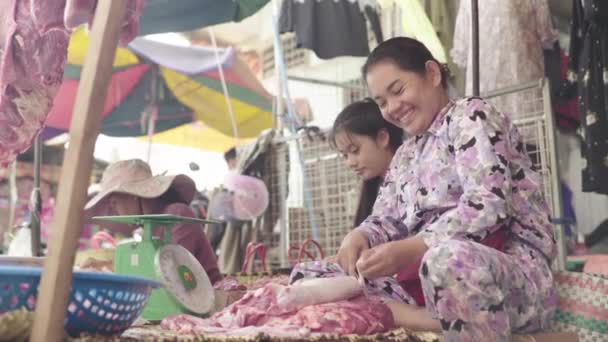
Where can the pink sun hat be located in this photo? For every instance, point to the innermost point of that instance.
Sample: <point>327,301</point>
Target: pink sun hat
<point>134,177</point>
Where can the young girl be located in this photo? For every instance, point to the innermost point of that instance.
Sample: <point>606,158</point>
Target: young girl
<point>367,142</point>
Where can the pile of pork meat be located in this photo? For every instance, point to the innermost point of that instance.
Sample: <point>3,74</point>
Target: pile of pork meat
<point>324,306</point>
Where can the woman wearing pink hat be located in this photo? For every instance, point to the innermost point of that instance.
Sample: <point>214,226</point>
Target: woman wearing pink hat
<point>128,188</point>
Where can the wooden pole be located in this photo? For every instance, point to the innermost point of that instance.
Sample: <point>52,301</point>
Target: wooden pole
<point>86,120</point>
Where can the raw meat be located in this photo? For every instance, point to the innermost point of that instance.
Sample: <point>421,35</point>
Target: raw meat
<point>259,312</point>
<point>191,325</point>
<point>33,48</point>
<point>233,284</point>
<point>32,56</point>
<point>229,284</point>
<point>231,289</point>
<point>261,282</point>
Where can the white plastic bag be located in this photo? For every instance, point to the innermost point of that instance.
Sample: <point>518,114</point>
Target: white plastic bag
<point>21,245</point>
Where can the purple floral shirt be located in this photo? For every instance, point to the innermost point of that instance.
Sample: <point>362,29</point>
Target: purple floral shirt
<point>464,178</point>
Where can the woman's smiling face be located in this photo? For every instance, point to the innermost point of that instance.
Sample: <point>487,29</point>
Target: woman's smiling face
<point>407,99</point>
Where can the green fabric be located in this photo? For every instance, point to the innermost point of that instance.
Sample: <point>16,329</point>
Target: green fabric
<point>247,8</point>
<point>236,92</point>
<point>72,72</point>
<point>186,15</point>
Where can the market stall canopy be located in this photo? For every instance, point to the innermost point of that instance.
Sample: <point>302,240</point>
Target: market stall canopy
<point>186,15</point>
<point>197,135</point>
<point>185,91</point>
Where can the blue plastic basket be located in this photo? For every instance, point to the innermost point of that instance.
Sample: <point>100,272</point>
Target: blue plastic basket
<point>100,303</point>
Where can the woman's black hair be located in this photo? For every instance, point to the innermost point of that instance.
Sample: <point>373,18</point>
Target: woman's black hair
<point>364,118</point>
<point>409,55</point>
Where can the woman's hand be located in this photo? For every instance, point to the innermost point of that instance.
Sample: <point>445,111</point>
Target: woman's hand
<point>331,258</point>
<point>352,246</point>
<point>382,260</point>
<point>389,258</point>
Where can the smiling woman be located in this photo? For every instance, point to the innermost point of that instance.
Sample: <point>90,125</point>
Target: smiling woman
<point>405,86</point>
<point>460,226</point>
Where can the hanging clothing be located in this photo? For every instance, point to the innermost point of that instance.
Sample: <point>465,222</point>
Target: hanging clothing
<point>442,14</point>
<point>589,71</point>
<point>331,28</point>
<point>413,22</point>
<point>374,20</point>
<point>233,244</point>
<point>565,104</point>
<point>512,35</point>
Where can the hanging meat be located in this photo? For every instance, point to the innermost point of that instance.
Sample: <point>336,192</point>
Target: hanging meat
<point>34,37</point>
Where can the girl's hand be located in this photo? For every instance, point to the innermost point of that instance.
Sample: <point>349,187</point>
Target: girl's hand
<point>389,258</point>
<point>352,246</point>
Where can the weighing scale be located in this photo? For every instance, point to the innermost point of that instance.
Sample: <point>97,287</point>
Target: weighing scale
<point>187,286</point>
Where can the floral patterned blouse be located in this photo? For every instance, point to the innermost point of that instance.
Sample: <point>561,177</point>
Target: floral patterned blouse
<point>464,178</point>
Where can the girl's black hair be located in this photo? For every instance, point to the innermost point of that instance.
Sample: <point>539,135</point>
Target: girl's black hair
<point>364,118</point>
<point>409,55</point>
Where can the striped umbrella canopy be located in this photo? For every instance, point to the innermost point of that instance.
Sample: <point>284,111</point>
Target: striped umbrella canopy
<point>170,86</point>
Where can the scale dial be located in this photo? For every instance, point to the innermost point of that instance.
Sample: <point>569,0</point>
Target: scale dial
<point>185,278</point>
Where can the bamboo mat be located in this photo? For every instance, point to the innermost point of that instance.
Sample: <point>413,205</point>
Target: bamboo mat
<point>16,326</point>
<point>156,333</point>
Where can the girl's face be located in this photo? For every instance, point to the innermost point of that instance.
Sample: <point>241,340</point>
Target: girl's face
<point>368,157</point>
<point>123,204</point>
<point>407,99</point>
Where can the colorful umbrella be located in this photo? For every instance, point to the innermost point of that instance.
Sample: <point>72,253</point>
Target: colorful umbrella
<point>196,135</point>
<point>183,92</point>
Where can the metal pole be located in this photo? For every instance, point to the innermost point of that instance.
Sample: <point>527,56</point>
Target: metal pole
<point>152,110</point>
<point>294,122</point>
<point>282,162</point>
<point>475,45</point>
<point>557,205</point>
<point>14,195</point>
<point>35,199</point>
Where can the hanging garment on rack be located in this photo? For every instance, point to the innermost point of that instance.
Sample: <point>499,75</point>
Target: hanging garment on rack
<point>374,20</point>
<point>442,14</point>
<point>512,35</point>
<point>414,23</point>
<point>589,71</point>
<point>565,103</point>
<point>331,28</point>
<point>232,247</point>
